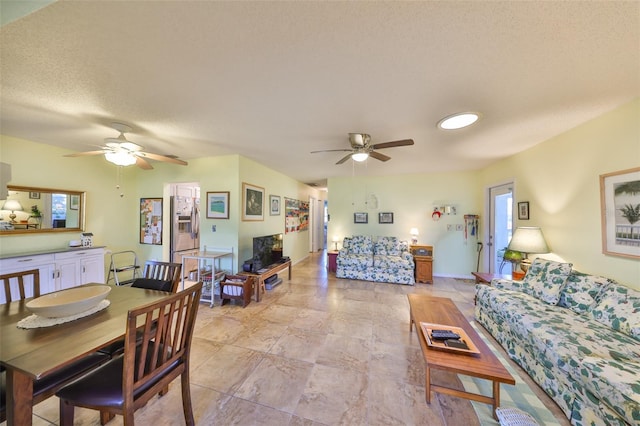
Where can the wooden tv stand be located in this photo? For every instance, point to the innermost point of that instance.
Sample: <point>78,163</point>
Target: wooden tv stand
<point>258,279</point>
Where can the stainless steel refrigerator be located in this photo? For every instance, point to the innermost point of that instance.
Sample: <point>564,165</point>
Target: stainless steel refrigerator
<point>185,230</point>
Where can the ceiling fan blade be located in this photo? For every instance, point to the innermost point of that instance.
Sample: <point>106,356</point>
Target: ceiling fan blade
<point>142,163</point>
<point>403,142</point>
<point>332,150</point>
<point>379,156</point>
<point>82,154</point>
<point>159,157</point>
<point>345,158</point>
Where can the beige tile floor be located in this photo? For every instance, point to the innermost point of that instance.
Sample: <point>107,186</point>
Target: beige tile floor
<point>315,351</point>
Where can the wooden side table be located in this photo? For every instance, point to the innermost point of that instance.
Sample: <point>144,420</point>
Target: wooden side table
<point>423,258</point>
<point>332,260</point>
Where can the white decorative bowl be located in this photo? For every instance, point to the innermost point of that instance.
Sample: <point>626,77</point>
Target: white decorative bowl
<point>68,302</point>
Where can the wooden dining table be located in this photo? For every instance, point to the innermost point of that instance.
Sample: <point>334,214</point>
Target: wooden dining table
<point>31,354</point>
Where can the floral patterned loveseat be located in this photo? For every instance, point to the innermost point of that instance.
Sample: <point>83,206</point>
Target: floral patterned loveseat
<point>387,260</point>
<point>576,335</point>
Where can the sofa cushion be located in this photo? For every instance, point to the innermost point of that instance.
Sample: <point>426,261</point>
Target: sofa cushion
<point>580,292</point>
<point>392,262</point>
<point>387,246</point>
<point>361,244</point>
<point>619,308</point>
<point>545,278</point>
<point>615,382</point>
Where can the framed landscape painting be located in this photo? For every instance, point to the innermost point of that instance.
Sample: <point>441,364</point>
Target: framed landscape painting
<point>361,217</point>
<point>620,208</point>
<point>218,205</point>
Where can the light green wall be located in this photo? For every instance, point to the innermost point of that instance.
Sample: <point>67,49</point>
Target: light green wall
<point>113,197</point>
<point>560,179</point>
<point>40,165</point>
<point>411,199</point>
<point>295,244</point>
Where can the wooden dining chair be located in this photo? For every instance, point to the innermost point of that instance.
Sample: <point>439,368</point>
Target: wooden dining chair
<point>162,276</point>
<point>149,363</point>
<point>27,283</point>
<point>21,284</point>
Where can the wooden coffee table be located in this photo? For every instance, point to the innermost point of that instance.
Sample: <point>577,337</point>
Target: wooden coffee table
<point>485,365</point>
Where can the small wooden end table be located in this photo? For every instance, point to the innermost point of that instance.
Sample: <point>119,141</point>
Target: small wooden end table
<point>332,260</point>
<point>258,279</point>
<point>486,365</point>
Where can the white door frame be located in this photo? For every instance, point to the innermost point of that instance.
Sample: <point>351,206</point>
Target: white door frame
<point>487,240</point>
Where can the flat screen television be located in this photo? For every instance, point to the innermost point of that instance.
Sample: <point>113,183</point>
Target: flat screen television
<point>267,249</point>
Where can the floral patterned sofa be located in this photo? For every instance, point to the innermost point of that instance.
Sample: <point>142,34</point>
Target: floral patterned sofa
<point>387,260</point>
<point>576,335</point>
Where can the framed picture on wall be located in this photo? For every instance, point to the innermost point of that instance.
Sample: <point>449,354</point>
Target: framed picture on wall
<point>620,209</point>
<point>523,210</point>
<point>218,205</point>
<point>385,217</point>
<point>361,217</point>
<point>252,202</point>
<point>151,221</point>
<point>274,205</point>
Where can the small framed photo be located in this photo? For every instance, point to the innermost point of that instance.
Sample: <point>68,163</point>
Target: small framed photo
<point>274,205</point>
<point>361,217</point>
<point>218,205</point>
<point>385,217</point>
<point>74,202</point>
<point>252,202</point>
<point>34,195</point>
<point>523,210</point>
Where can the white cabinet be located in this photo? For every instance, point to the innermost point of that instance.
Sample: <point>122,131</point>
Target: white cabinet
<point>59,270</point>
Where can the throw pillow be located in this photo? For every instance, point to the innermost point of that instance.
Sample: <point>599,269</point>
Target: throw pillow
<point>545,278</point>
<point>619,308</point>
<point>580,292</point>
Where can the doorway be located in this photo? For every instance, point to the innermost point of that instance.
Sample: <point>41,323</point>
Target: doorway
<point>500,225</point>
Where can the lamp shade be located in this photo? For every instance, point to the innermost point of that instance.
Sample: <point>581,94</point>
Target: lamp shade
<point>528,239</point>
<point>12,205</point>
<point>414,231</point>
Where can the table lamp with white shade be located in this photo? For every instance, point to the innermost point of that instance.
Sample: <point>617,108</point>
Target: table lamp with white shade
<point>13,206</point>
<point>414,235</point>
<point>528,240</point>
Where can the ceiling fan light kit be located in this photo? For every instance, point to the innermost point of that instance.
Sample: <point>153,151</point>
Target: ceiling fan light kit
<point>360,156</point>
<point>458,120</point>
<point>361,148</point>
<point>121,152</point>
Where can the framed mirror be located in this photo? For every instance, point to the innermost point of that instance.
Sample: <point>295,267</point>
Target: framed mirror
<point>30,210</point>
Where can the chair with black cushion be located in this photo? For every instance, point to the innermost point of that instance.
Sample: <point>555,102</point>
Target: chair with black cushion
<point>163,276</point>
<point>152,359</point>
<point>18,284</point>
<point>24,284</point>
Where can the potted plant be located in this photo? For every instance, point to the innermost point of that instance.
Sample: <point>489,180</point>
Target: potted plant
<point>36,214</point>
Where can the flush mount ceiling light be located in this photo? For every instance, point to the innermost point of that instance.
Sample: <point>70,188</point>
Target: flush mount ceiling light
<point>458,121</point>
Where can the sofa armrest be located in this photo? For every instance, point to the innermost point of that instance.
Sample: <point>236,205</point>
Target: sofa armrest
<point>507,284</point>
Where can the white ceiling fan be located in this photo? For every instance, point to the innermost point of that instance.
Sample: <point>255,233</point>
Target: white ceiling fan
<point>361,148</point>
<point>121,152</point>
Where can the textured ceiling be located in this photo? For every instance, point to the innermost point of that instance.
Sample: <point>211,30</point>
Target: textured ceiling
<point>275,80</point>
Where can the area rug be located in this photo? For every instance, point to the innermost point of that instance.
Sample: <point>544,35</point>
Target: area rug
<point>519,396</point>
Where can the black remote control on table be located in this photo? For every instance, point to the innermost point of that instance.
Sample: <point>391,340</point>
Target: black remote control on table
<point>444,335</point>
